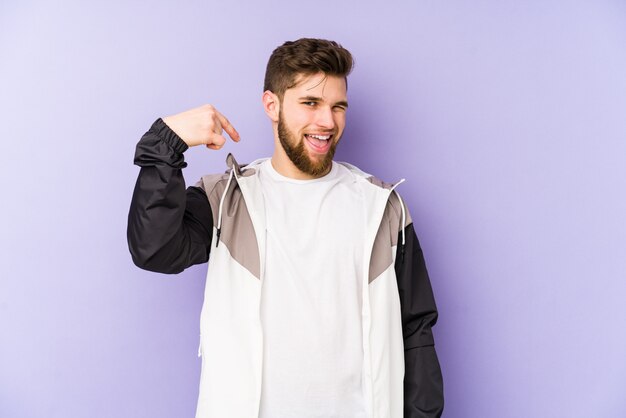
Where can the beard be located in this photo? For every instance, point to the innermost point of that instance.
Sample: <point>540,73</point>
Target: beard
<point>298,154</point>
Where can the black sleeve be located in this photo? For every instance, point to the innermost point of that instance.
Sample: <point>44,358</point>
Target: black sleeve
<point>169,228</point>
<point>423,382</point>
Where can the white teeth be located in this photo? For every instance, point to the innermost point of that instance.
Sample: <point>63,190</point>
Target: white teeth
<point>323,138</point>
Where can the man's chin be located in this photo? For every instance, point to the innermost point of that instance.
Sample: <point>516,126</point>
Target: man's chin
<point>320,164</point>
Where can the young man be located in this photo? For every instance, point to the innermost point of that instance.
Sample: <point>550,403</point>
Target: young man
<point>317,300</point>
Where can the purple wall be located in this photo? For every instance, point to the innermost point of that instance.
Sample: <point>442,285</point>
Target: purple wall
<point>507,118</point>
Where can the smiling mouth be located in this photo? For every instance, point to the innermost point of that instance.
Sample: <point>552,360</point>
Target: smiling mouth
<point>319,143</point>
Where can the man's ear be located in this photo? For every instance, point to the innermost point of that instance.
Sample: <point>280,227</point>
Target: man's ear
<point>271,105</point>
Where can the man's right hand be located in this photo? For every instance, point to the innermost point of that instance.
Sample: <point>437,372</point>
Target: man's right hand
<point>202,125</point>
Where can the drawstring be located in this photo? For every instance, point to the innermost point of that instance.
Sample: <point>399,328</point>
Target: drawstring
<point>219,213</point>
<point>403,219</point>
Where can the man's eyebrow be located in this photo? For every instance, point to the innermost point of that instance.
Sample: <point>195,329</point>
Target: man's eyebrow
<point>319,99</point>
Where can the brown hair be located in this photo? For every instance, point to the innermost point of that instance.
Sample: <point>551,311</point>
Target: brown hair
<point>306,56</point>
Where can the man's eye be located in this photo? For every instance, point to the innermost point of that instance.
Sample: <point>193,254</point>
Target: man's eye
<point>310,103</point>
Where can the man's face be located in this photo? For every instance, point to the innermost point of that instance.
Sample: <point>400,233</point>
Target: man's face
<point>311,121</point>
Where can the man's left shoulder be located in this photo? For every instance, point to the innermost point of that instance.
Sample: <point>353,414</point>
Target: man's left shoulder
<point>396,207</point>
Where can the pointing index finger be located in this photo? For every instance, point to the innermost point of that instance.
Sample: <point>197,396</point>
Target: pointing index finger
<point>228,127</point>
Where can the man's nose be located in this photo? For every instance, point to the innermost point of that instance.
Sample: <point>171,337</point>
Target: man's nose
<point>325,118</point>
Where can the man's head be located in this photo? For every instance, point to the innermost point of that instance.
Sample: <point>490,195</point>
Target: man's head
<point>305,96</point>
<point>303,57</point>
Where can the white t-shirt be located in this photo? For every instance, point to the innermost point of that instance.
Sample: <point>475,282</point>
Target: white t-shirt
<point>312,296</point>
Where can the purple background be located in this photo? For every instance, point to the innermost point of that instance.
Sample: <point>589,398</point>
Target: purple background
<point>507,118</point>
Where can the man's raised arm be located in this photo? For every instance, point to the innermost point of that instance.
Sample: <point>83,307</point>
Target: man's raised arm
<point>169,228</point>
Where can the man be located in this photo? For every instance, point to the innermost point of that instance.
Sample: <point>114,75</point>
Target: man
<point>317,299</point>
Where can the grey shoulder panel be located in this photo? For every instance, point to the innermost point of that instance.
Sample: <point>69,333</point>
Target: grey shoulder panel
<point>387,235</point>
<point>237,231</point>
<point>394,200</point>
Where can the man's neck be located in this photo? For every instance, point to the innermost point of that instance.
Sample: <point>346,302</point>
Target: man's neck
<point>283,166</point>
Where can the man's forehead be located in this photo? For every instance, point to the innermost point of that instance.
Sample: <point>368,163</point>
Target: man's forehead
<point>309,83</point>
